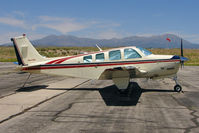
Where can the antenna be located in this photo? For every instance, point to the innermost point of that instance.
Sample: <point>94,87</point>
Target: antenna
<point>98,47</point>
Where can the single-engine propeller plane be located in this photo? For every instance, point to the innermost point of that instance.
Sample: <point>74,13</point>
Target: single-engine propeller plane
<point>117,64</point>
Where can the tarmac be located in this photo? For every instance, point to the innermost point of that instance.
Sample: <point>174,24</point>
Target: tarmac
<point>73,105</point>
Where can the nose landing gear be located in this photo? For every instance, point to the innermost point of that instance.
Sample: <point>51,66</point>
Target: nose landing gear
<point>177,87</point>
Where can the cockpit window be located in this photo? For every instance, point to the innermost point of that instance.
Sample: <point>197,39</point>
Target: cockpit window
<point>99,57</point>
<point>130,53</point>
<point>115,55</point>
<point>87,59</point>
<point>144,51</point>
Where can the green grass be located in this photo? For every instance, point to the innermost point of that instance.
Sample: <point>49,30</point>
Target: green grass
<point>7,54</point>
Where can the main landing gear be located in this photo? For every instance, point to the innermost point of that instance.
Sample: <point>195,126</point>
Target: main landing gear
<point>177,87</point>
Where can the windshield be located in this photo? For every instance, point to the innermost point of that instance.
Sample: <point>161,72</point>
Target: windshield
<point>144,51</point>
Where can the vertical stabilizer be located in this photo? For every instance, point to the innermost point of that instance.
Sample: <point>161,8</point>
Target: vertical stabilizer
<point>25,52</point>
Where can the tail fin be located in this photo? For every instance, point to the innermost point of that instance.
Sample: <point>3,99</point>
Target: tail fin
<point>25,52</point>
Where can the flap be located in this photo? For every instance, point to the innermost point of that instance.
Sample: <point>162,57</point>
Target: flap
<point>132,72</point>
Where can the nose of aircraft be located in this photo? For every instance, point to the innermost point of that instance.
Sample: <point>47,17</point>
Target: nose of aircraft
<point>183,58</point>
<point>180,57</point>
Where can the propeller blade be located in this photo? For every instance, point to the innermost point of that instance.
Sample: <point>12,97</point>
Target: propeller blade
<point>182,64</point>
<point>181,48</point>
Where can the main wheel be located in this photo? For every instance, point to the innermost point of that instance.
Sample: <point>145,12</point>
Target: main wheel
<point>177,88</point>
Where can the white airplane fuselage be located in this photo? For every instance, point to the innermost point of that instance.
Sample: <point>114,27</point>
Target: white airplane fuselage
<point>153,66</point>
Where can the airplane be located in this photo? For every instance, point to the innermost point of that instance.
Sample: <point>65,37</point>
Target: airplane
<point>117,64</point>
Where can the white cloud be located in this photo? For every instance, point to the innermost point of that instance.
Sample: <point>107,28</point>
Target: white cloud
<point>19,13</point>
<point>109,34</point>
<point>66,25</point>
<point>13,22</point>
<point>5,38</point>
<point>63,25</point>
<point>144,34</point>
<point>194,38</point>
<point>106,24</point>
<point>54,19</point>
<point>35,36</point>
<point>98,29</point>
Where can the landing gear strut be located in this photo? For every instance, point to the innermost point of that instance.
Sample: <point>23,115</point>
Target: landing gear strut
<point>177,87</point>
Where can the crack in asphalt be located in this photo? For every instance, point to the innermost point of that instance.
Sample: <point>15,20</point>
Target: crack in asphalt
<point>25,110</point>
<point>8,95</point>
<point>36,105</point>
<point>194,120</point>
<point>192,113</point>
<point>110,118</point>
<point>67,108</point>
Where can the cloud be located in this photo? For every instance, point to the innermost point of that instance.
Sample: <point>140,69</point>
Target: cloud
<point>44,25</point>
<point>34,36</point>
<point>66,25</point>
<point>194,38</point>
<point>19,13</point>
<point>63,25</point>
<point>13,22</point>
<point>5,37</point>
<point>54,19</point>
<point>144,34</point>
<point>109,34</point>
<point>106,25</point>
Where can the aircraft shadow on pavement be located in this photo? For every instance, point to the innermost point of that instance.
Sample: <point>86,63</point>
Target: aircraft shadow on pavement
<point>31,88</point>
<point>109,94</point>
<point>112,97</point>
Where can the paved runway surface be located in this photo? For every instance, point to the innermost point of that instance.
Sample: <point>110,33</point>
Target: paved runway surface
<point>58,104</point>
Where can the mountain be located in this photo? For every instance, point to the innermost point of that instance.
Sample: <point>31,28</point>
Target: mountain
<point>158,41</point>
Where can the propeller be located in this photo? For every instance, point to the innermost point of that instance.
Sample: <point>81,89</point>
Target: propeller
<point>181,49</point>
<point>182,58</point>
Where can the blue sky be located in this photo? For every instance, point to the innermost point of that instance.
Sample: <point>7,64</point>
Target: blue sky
<point>99,18</point>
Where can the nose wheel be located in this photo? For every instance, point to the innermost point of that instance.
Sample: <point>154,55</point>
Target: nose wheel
<point>177,87</point>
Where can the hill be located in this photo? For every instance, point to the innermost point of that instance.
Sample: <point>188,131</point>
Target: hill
<point>158,41</point>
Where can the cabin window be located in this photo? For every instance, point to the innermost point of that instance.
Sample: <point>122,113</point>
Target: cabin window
<point>144,51</point>
<point>130,53</point>
<point>87,59</point>
<point>99,57</point>
<point>115,55</point>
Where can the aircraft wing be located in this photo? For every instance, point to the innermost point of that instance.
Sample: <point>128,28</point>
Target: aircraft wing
<point>118,72</point>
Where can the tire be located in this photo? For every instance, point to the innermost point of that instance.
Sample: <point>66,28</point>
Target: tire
<point>177,88</point>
